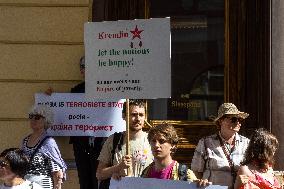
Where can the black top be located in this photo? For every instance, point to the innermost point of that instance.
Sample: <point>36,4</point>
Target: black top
<point>80,88</point>
<point>82,140</point>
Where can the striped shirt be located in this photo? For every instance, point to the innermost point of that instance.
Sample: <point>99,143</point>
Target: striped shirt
<point>40,165</point>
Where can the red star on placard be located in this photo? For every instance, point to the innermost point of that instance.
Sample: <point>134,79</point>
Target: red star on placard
<point>136,33</point>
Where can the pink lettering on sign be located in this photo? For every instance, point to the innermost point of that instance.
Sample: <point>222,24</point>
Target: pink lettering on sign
<point>61,127</point>
<point>93,128</point>
<point>84,128</point>
<point>86,104</point>
<point>115,104</point>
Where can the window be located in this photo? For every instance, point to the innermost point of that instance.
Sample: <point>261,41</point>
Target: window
<point>197,55</point>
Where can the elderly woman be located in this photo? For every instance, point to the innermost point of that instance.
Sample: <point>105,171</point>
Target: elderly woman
<point>163,140</point>
<point>47,168</point>
<point>256,170</point>
<point>217,157</point>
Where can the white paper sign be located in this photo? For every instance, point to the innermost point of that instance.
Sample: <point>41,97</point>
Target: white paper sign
<point>75,115</point>
<point>128,59</point>
<point>151,183</point>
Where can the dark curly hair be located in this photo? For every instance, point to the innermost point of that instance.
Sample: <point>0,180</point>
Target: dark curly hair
<point>166,130</point>
<point>261,149</point>
<point>17,160</point>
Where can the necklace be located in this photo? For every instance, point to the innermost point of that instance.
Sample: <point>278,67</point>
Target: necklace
<point>229,144</point>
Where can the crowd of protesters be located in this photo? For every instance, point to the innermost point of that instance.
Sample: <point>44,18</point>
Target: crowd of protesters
<point>225,158</point>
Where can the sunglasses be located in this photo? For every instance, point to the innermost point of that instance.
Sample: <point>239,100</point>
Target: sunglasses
<point>3,163</point>
<point>235,119</point>
<point>82,66</point>
<point>35,116</point>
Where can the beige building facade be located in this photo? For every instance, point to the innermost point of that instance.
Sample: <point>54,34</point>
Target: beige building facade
<point>41,42</point>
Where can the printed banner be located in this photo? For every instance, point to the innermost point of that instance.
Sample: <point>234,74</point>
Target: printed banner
<point>128,59</point>
<point>151,183</point>
<point>76,115</point>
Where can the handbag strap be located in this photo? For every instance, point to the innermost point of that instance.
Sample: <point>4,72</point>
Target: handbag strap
<point>38,147</point>
<point>206,157</point>
<point>227,154</point>
<point>32,185</point>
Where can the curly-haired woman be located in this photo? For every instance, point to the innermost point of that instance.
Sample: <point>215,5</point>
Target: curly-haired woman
<point>256,168</point>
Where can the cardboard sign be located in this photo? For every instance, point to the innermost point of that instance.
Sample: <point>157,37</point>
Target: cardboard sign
<point>128,59</point>
<point>75,115</point>
<point>152,183</point>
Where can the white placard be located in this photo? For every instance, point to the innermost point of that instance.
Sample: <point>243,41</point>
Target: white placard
<point>75,115</point>
<point>128,59</point>
<point>151,183</point>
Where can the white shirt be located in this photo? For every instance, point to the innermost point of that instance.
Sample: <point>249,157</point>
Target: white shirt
<point>25,185</point>
<point>140,151</point>
<point>212,161</point>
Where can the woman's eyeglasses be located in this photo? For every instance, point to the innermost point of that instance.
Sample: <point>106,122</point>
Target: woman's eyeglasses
<point>82,66</point>
<point>235,119</point>
<point>35,116</point>
<point>3,163</point>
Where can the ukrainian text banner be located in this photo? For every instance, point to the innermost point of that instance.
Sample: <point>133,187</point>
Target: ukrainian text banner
<point>128,58</point>
<point>151,183</point>
<point>76,115</point>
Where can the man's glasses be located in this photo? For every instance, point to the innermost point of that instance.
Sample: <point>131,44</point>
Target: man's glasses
<point>3,163</point>
<point>235,119</point>
<point>35,116</point>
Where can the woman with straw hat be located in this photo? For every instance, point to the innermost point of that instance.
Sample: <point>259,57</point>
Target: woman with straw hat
<point>217,157</point>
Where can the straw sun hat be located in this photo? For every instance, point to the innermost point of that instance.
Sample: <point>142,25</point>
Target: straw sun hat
<point>230,109</point>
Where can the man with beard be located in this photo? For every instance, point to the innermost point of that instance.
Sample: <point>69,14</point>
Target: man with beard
<point>115,163</point>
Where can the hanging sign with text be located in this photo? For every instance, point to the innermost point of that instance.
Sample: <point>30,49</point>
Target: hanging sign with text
<point>76,115</point>
<point>128,58</point>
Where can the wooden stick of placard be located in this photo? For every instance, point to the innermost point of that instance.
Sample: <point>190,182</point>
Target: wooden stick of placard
<point>127,134</point>
<point>127,126</point>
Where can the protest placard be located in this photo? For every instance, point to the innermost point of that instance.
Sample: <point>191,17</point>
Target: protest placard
<point>76,115</point>
<point>152,183</point>
<point>128,58</point>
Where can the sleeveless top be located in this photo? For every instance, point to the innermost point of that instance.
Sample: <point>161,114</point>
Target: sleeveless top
<point>259,181</point>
